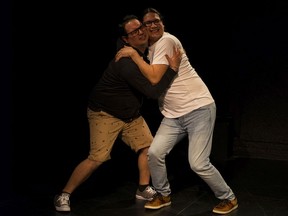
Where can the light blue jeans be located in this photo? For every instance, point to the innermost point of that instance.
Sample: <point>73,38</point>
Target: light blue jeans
<point>198,125</point>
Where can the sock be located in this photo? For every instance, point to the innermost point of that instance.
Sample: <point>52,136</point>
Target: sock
<point>142,187</point>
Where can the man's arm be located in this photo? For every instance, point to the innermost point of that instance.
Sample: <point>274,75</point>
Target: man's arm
<point>154,72</point>
<point>131,73</point>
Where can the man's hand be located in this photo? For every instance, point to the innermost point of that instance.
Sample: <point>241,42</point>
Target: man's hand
<point>175,60</point>
<point>126,51</point>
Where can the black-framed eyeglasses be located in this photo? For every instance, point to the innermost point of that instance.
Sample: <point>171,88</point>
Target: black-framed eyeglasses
<point>136,31</point>
<point>149,23</point>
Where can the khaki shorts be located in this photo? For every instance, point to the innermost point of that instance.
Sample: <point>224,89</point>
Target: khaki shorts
<point>105,128</point>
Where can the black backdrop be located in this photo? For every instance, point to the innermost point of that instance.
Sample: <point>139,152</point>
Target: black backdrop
<point>59,49</point>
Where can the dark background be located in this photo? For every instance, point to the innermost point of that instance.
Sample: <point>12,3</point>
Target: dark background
<point>54,52</point>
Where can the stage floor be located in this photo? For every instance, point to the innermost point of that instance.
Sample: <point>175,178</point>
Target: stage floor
<point>260,185</point>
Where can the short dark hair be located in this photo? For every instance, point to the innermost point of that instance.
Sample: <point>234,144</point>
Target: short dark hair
<point>152,10</point>
<point>126,19</point>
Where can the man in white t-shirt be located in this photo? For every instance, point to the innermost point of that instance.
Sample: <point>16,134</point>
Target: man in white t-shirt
<point>188,109</point>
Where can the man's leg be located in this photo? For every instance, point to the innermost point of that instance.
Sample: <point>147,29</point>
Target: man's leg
<point>80,174</point>
<point>200,126</point>
<point>144,172</point>
<point>168,135</point>
<point>137,135</point>
<point>101,143</point>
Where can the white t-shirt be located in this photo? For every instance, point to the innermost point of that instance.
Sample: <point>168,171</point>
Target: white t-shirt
<point>188,91</point>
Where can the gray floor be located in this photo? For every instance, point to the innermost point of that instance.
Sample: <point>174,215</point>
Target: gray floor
<point>260,185</point>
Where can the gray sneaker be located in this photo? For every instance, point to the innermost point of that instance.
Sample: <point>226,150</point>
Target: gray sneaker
<point>62,202</point>
<point>147,194</point>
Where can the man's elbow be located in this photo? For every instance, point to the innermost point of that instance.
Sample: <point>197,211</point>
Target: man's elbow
<point>154,80</point>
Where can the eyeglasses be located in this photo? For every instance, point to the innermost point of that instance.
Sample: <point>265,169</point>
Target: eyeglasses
<point>149,23</point>
<point>136,31</point>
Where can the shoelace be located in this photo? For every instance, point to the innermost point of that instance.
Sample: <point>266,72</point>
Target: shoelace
<point>223,203</point>
<point>150,190</point>
<point>63,199</point>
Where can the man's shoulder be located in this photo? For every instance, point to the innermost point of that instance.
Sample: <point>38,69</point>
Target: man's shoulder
<point>168,35</point>
<point>167,39</point>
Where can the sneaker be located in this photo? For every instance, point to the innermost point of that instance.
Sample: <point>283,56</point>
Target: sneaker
<point>158,202</point>
<point>62,202</point>
<point>226,206</point>
<point>147,194</point>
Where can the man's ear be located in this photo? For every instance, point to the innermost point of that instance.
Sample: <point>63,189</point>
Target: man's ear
<point>124,38</point>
